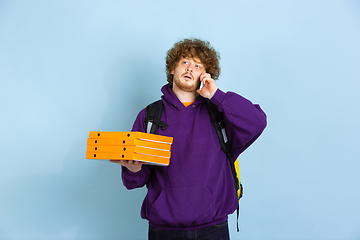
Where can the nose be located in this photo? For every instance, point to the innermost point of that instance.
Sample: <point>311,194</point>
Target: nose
<point>189,69</point>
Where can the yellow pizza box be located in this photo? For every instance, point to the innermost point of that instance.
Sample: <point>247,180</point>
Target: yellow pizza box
<point>129,135</point>
<point>128,149</point>
<point>149,159</point>
<point>127,142</point>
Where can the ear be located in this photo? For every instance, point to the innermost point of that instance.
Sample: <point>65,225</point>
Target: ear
<point>172,72</point>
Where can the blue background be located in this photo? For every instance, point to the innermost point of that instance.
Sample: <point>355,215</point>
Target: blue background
<point>68,67</point>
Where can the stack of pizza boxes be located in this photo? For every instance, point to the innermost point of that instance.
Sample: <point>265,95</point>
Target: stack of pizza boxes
<point>138,146</point>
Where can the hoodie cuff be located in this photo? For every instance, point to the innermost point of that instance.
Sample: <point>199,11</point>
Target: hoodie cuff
<point>218,97</point>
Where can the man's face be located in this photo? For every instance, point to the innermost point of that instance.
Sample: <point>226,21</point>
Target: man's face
<point>186,75</point>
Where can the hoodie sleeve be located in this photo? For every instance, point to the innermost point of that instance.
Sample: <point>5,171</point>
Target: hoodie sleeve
<point>130,179</point>
<point>244,121</point>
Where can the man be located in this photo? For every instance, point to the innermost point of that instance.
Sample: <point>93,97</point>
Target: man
<point>193,196</point>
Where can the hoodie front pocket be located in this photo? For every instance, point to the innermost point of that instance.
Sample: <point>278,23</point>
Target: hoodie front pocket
<point>185,206</point>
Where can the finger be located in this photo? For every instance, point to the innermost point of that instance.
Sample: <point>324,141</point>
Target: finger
<point>202,76</point>
<point>207,75</point>
<point>136,163</point>
<point>207,79</point>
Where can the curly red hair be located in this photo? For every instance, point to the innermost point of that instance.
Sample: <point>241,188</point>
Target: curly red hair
<point>193,48</point>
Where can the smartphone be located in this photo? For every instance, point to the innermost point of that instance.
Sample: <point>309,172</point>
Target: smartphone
<point>201,85</point>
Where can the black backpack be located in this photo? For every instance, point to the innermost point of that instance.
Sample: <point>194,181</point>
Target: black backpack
<point>153,122</point>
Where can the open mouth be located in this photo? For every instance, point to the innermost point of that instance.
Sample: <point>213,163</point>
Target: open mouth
<point>188,77</point>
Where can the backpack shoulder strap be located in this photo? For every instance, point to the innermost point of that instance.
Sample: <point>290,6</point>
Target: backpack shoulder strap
<point>216,118</point>
<point>153,117</point>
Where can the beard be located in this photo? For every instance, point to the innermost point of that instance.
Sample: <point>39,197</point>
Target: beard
<point>186,86</point>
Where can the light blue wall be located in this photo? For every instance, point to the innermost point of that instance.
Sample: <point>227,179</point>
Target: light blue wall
<point>68,67</point>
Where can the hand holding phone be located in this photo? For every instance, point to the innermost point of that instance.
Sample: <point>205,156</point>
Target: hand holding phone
<point>208,86</point>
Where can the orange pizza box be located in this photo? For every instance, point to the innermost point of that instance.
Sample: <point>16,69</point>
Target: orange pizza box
<point>129,135</point>
<point>128,149</point>
<point>149,159</point>
<point>127,142</point>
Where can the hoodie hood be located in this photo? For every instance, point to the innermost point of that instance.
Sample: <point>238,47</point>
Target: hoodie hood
<point>170,97</point>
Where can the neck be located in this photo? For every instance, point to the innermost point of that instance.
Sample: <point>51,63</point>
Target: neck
<point>184,96</point>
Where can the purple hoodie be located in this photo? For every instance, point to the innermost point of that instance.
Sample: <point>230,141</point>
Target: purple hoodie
<point>197,188</point>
